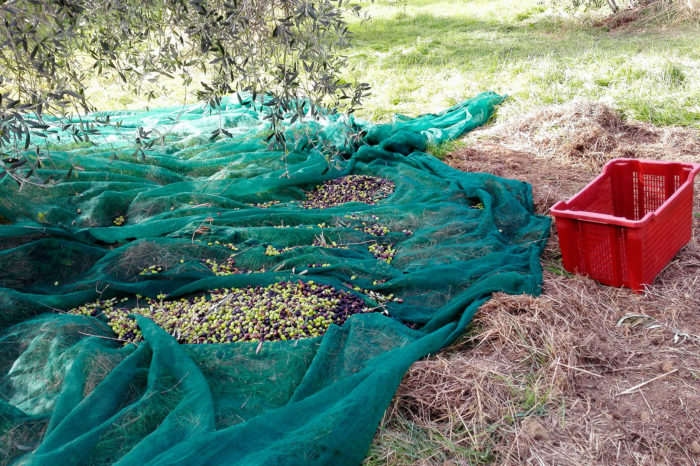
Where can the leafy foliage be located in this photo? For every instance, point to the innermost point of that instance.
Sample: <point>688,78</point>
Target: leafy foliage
<point>283,50</point>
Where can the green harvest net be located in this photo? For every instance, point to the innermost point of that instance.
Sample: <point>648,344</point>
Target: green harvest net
<point>130,227</point>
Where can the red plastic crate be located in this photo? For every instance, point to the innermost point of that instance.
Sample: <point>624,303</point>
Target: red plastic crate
<point>628,223</point>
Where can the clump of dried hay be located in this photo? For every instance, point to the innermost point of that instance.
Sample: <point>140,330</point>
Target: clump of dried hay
<point>658,13</point>
<point>588,134</point>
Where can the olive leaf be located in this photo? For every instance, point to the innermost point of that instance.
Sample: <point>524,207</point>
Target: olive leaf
<point>271,53</point>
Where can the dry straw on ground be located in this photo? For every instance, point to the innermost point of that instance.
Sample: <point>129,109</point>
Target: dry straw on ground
<point>587,135</point>
<point>551,379</point>
<point>665,13</point>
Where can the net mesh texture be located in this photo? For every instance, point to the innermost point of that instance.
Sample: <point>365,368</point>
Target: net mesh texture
<point>139,228</point>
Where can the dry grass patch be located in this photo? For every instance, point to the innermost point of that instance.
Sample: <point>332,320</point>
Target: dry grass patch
<point>586,135</point>
<point>654,13</point>
<point>547,379</point>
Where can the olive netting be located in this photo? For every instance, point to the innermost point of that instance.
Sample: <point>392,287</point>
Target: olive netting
<point>190,215</point>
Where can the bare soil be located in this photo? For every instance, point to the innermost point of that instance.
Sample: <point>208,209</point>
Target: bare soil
<point>551,379</point>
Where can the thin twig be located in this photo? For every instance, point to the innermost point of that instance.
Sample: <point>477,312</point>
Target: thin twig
<point>579,369</point>
<point>105,337</point>
<point>631,389</point>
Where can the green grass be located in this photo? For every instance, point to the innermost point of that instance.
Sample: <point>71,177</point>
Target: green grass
<point>424,56</point>
<point>403,442</point>
<point>447,147</point>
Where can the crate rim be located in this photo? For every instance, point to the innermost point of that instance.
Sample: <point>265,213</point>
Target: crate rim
<point>560,208</point>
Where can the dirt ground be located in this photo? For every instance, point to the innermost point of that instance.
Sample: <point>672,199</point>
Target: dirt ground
<point>584,373</point>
